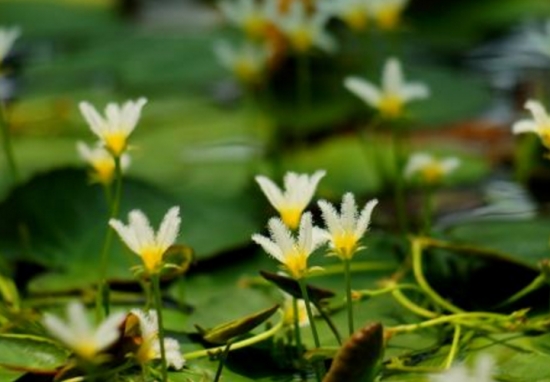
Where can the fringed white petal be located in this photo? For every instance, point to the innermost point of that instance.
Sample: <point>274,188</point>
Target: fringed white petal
<point>366,91</point>
<point>169,228</point>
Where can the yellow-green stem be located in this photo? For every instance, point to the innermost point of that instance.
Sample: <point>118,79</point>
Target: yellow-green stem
<point>6,140</point>
<point>454,347</point>
<point>349,301</point>
<point>407,303</point>
<point>155,281</point>
<point>446,319</point>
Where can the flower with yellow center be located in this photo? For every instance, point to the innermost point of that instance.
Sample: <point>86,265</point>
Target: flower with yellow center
<point>102,162</point>
<point>394,93</point>
<point>540,124</point>
<point>290,252</point>
<point>288,311</point>
<point>304,31</point>
<point>253,18</point>
<point>7,38</point>
<point>387,13</point>
<point>149,346</point>
<point>290,203</point>
<point>345,229</point>
<point>355,13</point>
<point>247,63</point>
<point>430,170</point>
<point>79,336</point>
<point>119,122</point>
<point>482,372</point>
<point>141,239</point>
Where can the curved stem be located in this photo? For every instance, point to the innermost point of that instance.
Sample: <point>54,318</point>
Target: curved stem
<point>6,140</point>
<point>240,344</point>
<point>349,301</point>
<point>454,347</point>
<point>407,303</point>
<point>446,319</point>
<point>155,281</point>
<point>537,283</point>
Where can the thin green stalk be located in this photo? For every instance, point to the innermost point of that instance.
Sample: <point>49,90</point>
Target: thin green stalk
<point>330,324</point>
<point>223,357</point>
<point>349,301</point>
<point>399,187</point>
<point>454,347</point>
<point>534,285</point>
<point>451,318</point>
<point>428,210</point>
<point>297,333</point>
<point>155,281</point>
<point>407,303</point>
<point>6,140</point>
<point>303,289</point>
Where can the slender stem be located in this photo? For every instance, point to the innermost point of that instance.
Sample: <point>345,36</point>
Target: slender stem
<point>330,324</point>
<point>303,289</point>
<point>155,281</point>
<point>446,319</point>
<point>304,82</point>
<point>6,140</point>
<point>115,206</point>
<point>357,266</point>
<point>240,344</point>
<point>537,283</point>
<point>428,210</point>
<point>423,283</point>
<point>223,357</point>
<point>399,190</point>
<point>349,301</point>
<point>407,303</point>
<point>454,347</point>
<point>297,333</point>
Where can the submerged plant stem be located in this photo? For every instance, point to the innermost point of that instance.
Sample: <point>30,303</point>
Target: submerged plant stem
<point>6,140</point>
<point>155,281</point>
<point>349,301</point>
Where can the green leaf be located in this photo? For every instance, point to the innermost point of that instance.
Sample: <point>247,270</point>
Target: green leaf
<point>30,353</point>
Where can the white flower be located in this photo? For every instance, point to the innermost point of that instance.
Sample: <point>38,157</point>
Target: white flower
<point>345,229</point>
<point>394,93</point>
<point>540,124</point>
<point>7,38</point>
<point>292,253</point>
<point>140,238</point>
<point>430,169</point>
<point>77,333</point>
<point>288,311</point>
<point>355,13</point>
<point>290,203</point>
<point>149,348</point>
<point>101,161</point>
<point>249,15</point>
<point>118,124</point>
<point>247,63</point>
<point>481,373</point>
<point>387,13</point>
<point>305,31</point>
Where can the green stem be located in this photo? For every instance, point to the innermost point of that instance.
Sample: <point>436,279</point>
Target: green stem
<point>537,283</point>
<point>454,347</point>
<point>407,303</point>
<point>6,140</point>
<point>297,333</point>
<point>428,210</point>
<point>330,324</point>
<point>423,283</point>
<point>240,344</point>
<point>446,319</point>
<point>223,357</point>
<point>304,82</point>
<point>357,266</point>
<point>349,301</point>
<point>303,289</point>
<point>155,281</point>
<point>399,190</point>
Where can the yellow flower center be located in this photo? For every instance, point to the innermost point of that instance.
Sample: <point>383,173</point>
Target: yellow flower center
<point>115,142</point>
<point>302,39</point>
<point>356,19</point>
<point>432,173</point>
<point>345,244</point>
<point>255,26</point>
<point>388,17</point>
<point>152,257</point>
<point>296,264</point>
<point>145,352</point>
<point>86,349</point>
<point>544,134</point>
<point>289,314</point>
<point>391,106</point>
<point>104,170</point>
<point>291,216</point>
<point>246,71</point>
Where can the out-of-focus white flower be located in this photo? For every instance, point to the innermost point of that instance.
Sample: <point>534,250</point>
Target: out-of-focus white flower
<point>345,229</point>
<point>394,93</point>
<point>430,169</point>
<point>482,372</point>
<point>141,239</point>
<point>247,63</point>
<point>355,13</point>
<point>118,124</point>
<point>540,124</point>
<point>387,13</point>
<point>290,252</point>
<point>252,17</point>
<point>77,333</point>
<point>149,348</point>
<point>290,203</point>
<point>101,161</point>
<point>288,311</point>
<point>305,31</point>
<point>7,38</point>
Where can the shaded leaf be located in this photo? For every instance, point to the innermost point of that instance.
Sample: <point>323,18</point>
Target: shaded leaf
<point>30,353</point>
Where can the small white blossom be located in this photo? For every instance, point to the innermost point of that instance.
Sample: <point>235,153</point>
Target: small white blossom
<point>481,373</point>
<point>141,239</point>
<point>101,161</point>
<point>430,169</point>
<point>345,229</point>
<point>387,13</point>
<point>149,348</point>
<point>305,31</point>
<point>247,63</point>
<point>7,38</point>
<point>114,129</point>
<point>77,333</point>
<point>249,15</point>
<point>540,124</point>
<point>292,253</point>
<point>394,93</point>
<point>288,311</point>
<point>298,191</point>
<point>355,13</point>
